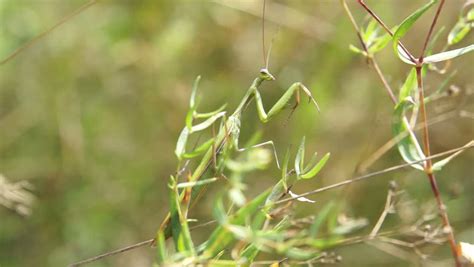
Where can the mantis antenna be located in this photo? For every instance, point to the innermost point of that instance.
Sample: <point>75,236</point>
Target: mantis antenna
<point>266,54</point>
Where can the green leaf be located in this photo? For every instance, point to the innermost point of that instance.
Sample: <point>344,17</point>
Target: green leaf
<point>321,218</point>
<point>179,223</point>
<point>317,168</point>
<point>357,50</point>
<point>408,86</point>
<point>379,43</point>
<point>408,145</point>
<point>219,211</point>
<point>470,15</point>
<point>181,144</point>
<point>405,26</point>
<point>161,248</point>
<point>197,115</point>
<point>205,124</point>
<point>370,32</point>
<point>284,168</point>
<point>197,183</point>
<point>221,237</point>
<point>443,56</point>
<point>440,164</point>
<point>300,158</point>
<point>200,149</point>
<point>192,99</point>
<point>459,31</point>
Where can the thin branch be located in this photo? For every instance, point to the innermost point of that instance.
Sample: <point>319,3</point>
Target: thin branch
<point>114,252</point>
<point>370,58</point>
<point>370,175</point>
<point>150,241</point>
<point>43,34</point>
<point>361,2</point>
<point>386,210</point>
<point>428,168</point>
<point>430,32</point>
<point>392,142</point>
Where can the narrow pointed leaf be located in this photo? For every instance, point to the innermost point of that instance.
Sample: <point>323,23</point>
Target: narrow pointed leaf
<point>209,114</point>
<point>404,56</point>
<point>192,99</point>
<point>379,43</point>
<point>219,211</point>
<point>317,168</point>
<point>357,50</point>
<point>440,164</point>
<point>221,237</point>
<point>197,183</point>
<point>448,54</point>
<point>405,26</point>
<point>161,248</point>
<point>179,223</point>
<point>181,144</point>
<point>199,150</point>
<point>284,169</point>
<point>205,124</point>
<point>408,86</point>
<point>408,145</point>
<point>313,160</point>
<point>299,158</point>
<point>320,219</point>
<point>459,31</point>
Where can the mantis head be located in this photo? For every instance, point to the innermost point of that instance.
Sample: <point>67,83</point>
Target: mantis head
<point>265,75</point>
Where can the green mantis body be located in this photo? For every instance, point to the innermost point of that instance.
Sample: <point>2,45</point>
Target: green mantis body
<point>227,137</point>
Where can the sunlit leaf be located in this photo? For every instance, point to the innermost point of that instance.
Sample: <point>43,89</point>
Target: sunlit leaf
<point>205,124</point>
<point>300,158</point>
<point>379,43</point>
<point>197,183</point>
<point>317,168</point>
<point>181,144</point>
<point>443,56</point>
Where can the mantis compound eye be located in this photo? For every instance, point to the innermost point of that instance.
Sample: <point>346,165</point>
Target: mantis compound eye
<point>266,75</point>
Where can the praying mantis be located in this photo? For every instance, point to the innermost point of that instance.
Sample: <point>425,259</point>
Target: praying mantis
<point>227,137</point>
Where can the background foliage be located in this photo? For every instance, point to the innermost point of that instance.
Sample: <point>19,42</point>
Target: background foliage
<point>90,116</point>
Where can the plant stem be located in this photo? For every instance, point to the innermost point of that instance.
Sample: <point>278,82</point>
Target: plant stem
<point>438,11</point>
<point>429,170</point>
<point>381,23</point>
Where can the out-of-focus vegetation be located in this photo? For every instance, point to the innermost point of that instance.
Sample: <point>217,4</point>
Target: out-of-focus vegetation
<point>90,114</point>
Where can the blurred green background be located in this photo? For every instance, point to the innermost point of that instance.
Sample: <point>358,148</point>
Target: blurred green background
<point>90,114</point>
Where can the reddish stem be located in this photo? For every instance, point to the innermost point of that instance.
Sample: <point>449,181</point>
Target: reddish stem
<point>429,171</point>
